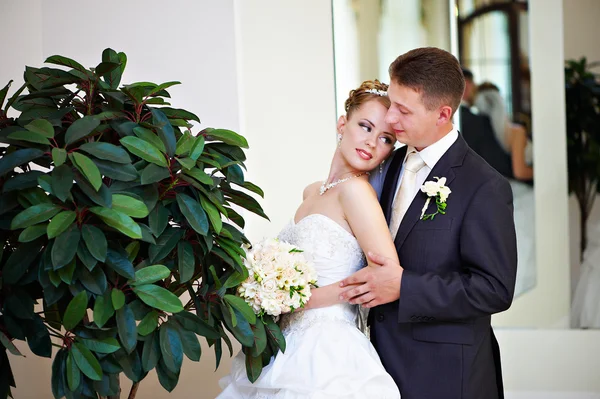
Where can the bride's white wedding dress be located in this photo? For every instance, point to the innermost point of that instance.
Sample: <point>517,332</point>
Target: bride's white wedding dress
<point>326,355</point>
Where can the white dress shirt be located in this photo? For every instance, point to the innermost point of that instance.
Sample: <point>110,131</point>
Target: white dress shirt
<point>430,155</point>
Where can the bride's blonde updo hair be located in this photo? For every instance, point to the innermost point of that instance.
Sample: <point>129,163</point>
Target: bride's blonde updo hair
<point>368,90</point>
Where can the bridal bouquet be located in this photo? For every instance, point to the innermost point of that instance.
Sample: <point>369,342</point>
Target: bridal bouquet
<point>280,278</point>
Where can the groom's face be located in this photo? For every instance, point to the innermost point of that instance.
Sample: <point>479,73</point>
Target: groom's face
<point>412,123</point>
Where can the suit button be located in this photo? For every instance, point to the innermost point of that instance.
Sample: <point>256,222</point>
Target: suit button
<point>380,317</point>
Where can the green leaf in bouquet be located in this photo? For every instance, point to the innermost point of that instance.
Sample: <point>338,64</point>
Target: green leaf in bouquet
<point>75,310</point>
<point>95,241</point>
<point>254,366</point>
<point>129,206</point>
<point>59,156</point>
<point>150,137</point>
<point>144,150</point>
<point>185,261</point>
<point>9,161</point>
<point>158,298</point>
<point>274,332</point>
<point>193,213</point>
<point>119,221</point>
<point>148,324</point>
<point>60,223</point>
<point>103,310</point>
<point>242,307</point>
<point>171,347</point>
<point>88,168</point>
<point>163,125</point>
<point>86,361</point>
<point>62,182</point>
<point>126,328</point>
<point>32,232</point>
<point>65,246</point>
<point>81,128</point>
<point>34,215</point>
<point>260,338</point>
<point>151,274</point>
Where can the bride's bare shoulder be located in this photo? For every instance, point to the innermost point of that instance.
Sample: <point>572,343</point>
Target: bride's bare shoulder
<point>311,189</point>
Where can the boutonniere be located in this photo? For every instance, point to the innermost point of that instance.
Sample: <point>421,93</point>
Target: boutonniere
<point>439,191</point>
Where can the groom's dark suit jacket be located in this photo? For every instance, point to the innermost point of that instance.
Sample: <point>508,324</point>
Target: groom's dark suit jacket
<point>459,268</point>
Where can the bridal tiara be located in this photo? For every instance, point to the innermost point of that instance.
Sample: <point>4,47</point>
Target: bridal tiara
<point>377,91</point>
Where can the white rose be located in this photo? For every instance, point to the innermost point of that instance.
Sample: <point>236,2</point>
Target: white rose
<point>269,285</point>
<point>430,188</point>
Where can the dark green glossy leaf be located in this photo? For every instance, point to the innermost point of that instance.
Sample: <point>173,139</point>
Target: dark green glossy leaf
<point>120,264</point>
<point>151,274</point>
<point>197,148</point>
<point>107,151</point>
<point>200,175</point>
<point>4,92</point>
<point>19,304</point>
<point>253,367</point>
<point>59,156</point>
<point>19,261</point>
<point>117,171</point>
<point>126,328</point>
<point>86,257</point>
<point>95,241</point>
<point>119,221</point>
<point>163,126</point>
<point>149,136</point>
<point>213,214</point>
<point>94,281</point>
<point>260,338</point>
<point>60,223</point>
<point>189,342</point>
<point>22,181</point>
<point>58,374</point>
<point>65,246</point>
<point>171,347</point>
<point>167,379</point>
<point>75,311</point>
<point>73,373</point>
<point>165,244</point>
<point>184,144</point>
<point>109,386</point>
<point>86,361</point>
<point>114,77</point>
<point>132,249</point>
<point>9,161</point>
<point>187,163</point>
<point>227,137</point>
<point>7,343</point>
<point>235,174</point>
<point>129,206</point>
<point>62,182</point>
<point>148,324</point>
<point>147,234</point>
<point>102,197</point>
<point>31,137</point>
<point>81,128</point>
<point>118,298</point>
<point>158,297</point>
<point>154,173</point>
<point>274,333</point>
<point>241,305</point>
<point>32,232</point>
<point>105,345</point>
<point>64,61</point>
<point>66,273</point>
<point>34,215</point>
<point>253,188</point>
<point>103,310</point>
<point>191,322</point>
<point>131,365</point>
<point>179,114</point>
<point>194,213</point>
<point>241,328</point>
<point>104,68</point>
<point>158,219</point>
<point>144,150</point>
<point>38,337</point>
<point>88,168</point>
<point>186,261</point>
<point>151,352</point>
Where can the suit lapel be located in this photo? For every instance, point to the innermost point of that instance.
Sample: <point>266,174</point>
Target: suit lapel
<point>391,182</point>
<point>443,168</point>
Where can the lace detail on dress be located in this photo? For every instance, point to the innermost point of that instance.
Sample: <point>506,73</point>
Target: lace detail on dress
<point>298,322</point>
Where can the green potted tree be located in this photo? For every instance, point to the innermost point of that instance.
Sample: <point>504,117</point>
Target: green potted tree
<point>583,138</point>
<point>121,239</point>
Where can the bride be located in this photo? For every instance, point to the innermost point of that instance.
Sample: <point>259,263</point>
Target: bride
<point>339,220</point>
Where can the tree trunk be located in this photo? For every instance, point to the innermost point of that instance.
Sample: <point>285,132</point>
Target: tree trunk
<point>134,389</point>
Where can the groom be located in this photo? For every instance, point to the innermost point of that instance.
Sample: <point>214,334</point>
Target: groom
<point>430,316</point>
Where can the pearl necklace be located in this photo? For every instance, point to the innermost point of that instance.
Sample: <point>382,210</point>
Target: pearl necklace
<point>326,187</point>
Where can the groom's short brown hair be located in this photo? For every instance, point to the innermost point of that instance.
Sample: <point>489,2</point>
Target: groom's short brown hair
<point>433,72</point>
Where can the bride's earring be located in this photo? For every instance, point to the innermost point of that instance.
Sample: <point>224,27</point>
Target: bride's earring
<point>381,166</point>
<point>339,140</point>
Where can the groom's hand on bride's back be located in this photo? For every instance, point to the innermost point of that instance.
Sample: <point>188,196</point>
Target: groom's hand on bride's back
<point>376,285</point>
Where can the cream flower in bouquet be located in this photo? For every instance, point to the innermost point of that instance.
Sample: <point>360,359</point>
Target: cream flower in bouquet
<point>280,278</point>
